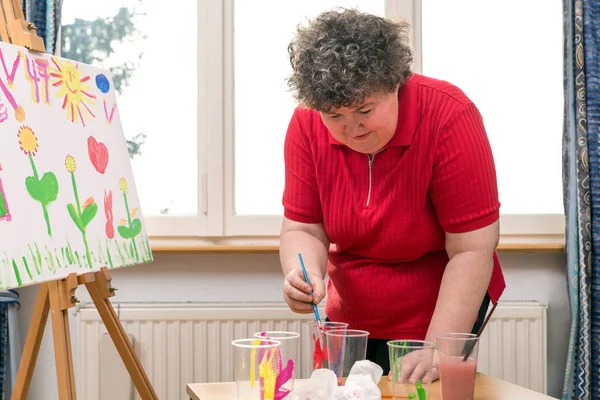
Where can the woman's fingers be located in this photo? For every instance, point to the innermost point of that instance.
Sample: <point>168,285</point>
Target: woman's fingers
<point>407,366</point>
<point>297,292</point>
<point>418,374</point>
<point>413,367</point>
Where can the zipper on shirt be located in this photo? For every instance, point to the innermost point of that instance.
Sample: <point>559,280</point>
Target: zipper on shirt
<point>371,159</point>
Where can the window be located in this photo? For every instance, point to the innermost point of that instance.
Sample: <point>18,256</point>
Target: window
<point>263,105</point>
<point>205,105</point>
<point>511,66</point>
<point>514,76</point>
<point>156,83</point>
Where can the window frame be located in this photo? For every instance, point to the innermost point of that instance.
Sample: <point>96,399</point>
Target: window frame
<point>216,222</point>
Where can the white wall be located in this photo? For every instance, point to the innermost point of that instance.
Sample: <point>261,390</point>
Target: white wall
<point>176,278</point>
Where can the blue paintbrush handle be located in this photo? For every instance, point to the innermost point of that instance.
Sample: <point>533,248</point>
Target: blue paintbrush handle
<point>315,309</point>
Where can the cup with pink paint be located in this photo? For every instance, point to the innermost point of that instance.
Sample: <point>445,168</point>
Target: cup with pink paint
<point>458,364</point>
<point>255,363</point>
<point>318,344</point>
<point>287,364</point>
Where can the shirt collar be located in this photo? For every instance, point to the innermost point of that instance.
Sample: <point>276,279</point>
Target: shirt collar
<point>408,117</point>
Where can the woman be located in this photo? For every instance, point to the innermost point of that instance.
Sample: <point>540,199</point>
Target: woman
<point>390,188</point>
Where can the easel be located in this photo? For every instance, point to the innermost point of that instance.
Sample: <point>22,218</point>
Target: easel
<point>56,297</point>
<point>15,29</point>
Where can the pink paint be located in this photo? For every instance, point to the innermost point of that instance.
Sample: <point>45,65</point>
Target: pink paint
<point>42,68</point>
<point>3,112</point>
<point>98,154</point>
<point>6,217</point>
<point>109,228</point>
<point>32,77</point>
<point>8,96</point>
<point>10,76</point>
<point>283,377</point>
<point>109,117</point>
<point>86,107</point>
<point>458,377</point>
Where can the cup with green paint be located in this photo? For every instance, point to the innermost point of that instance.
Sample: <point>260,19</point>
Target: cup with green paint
<point>411,364</point>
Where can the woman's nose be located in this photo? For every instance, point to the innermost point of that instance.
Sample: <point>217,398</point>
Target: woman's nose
<point>353,130</point>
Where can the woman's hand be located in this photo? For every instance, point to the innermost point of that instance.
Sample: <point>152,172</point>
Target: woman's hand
<point>415,365</point>
<point>296,291</point>
<point>311,241</point>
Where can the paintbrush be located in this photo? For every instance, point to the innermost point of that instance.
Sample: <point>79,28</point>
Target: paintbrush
<point>472,343</point>
<point>315,309</point>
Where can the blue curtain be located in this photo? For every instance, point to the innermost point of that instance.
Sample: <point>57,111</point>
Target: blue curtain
<point>10,345</point>
<point>45,15</point>
<point>581,173</point>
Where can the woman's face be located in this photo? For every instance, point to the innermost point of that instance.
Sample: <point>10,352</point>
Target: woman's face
<point>369,126</point>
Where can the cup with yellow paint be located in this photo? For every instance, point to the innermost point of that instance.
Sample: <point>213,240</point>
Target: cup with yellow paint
<point>287,366</point>
<point>255,366</point>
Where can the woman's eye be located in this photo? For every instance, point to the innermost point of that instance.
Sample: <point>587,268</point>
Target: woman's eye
<point>365,111</point>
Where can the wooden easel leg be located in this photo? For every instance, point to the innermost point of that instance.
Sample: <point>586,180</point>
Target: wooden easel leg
<point>32,344</point>
<point>60,302</point>
<point>98,285</point>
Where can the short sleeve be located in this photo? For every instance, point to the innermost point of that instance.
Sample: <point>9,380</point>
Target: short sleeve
<point>301,201</point>
<point>464,189</point>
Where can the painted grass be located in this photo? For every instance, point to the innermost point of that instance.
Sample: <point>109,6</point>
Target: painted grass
<point>30,267</point>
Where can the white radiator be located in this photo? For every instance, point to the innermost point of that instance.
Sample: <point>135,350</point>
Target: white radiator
<point>184,343</point>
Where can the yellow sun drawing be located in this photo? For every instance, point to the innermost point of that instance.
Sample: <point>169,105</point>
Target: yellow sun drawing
<point>28,141</point>
<point>73,90</point>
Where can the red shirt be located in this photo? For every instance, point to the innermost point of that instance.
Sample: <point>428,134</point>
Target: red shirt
<point>387,219</point>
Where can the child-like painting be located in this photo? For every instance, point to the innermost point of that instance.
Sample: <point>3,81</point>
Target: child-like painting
<point>68,201</point>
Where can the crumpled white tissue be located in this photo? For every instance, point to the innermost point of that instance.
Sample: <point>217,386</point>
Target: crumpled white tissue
<point>361,384</point>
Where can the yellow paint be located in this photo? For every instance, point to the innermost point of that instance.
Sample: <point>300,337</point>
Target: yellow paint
<point>89,201</point>
<point>267,372</point>
<point>70,163</point>
<point>253,362</point>
<point>33,80</point>
<point>123,185</point>
<point>20,114</point>
<point>73,90</point>
<point>28,141</point>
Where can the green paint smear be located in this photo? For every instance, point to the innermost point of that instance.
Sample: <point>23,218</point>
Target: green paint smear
<point>17,274</point>
<point>27,268</point>
<point>3,208</point>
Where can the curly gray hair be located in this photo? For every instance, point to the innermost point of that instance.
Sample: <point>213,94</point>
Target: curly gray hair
<point>344,56</point>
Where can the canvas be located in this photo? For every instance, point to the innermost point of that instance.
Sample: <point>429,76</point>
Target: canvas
<point>68,201</point>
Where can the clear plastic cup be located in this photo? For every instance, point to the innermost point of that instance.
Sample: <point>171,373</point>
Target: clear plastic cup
<point>255,362</point>
<point>457,370</point>
<point>318,344</point>
<point>287,357</point>
<point>344,348</point>
<point>411,364</point>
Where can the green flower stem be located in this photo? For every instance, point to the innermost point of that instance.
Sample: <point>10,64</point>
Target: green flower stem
<point>78,209</point>
<point>44,209</point>
<point>137,257</point>
<point>76,194</point>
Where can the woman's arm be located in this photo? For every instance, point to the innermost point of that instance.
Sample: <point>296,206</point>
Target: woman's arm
<point>465,280</point>
<point>311,241</point>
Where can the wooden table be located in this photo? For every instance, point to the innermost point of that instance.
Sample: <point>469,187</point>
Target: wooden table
<point>486,388</point>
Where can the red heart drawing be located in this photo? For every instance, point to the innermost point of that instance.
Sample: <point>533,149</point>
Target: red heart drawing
<point>98,154</point>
